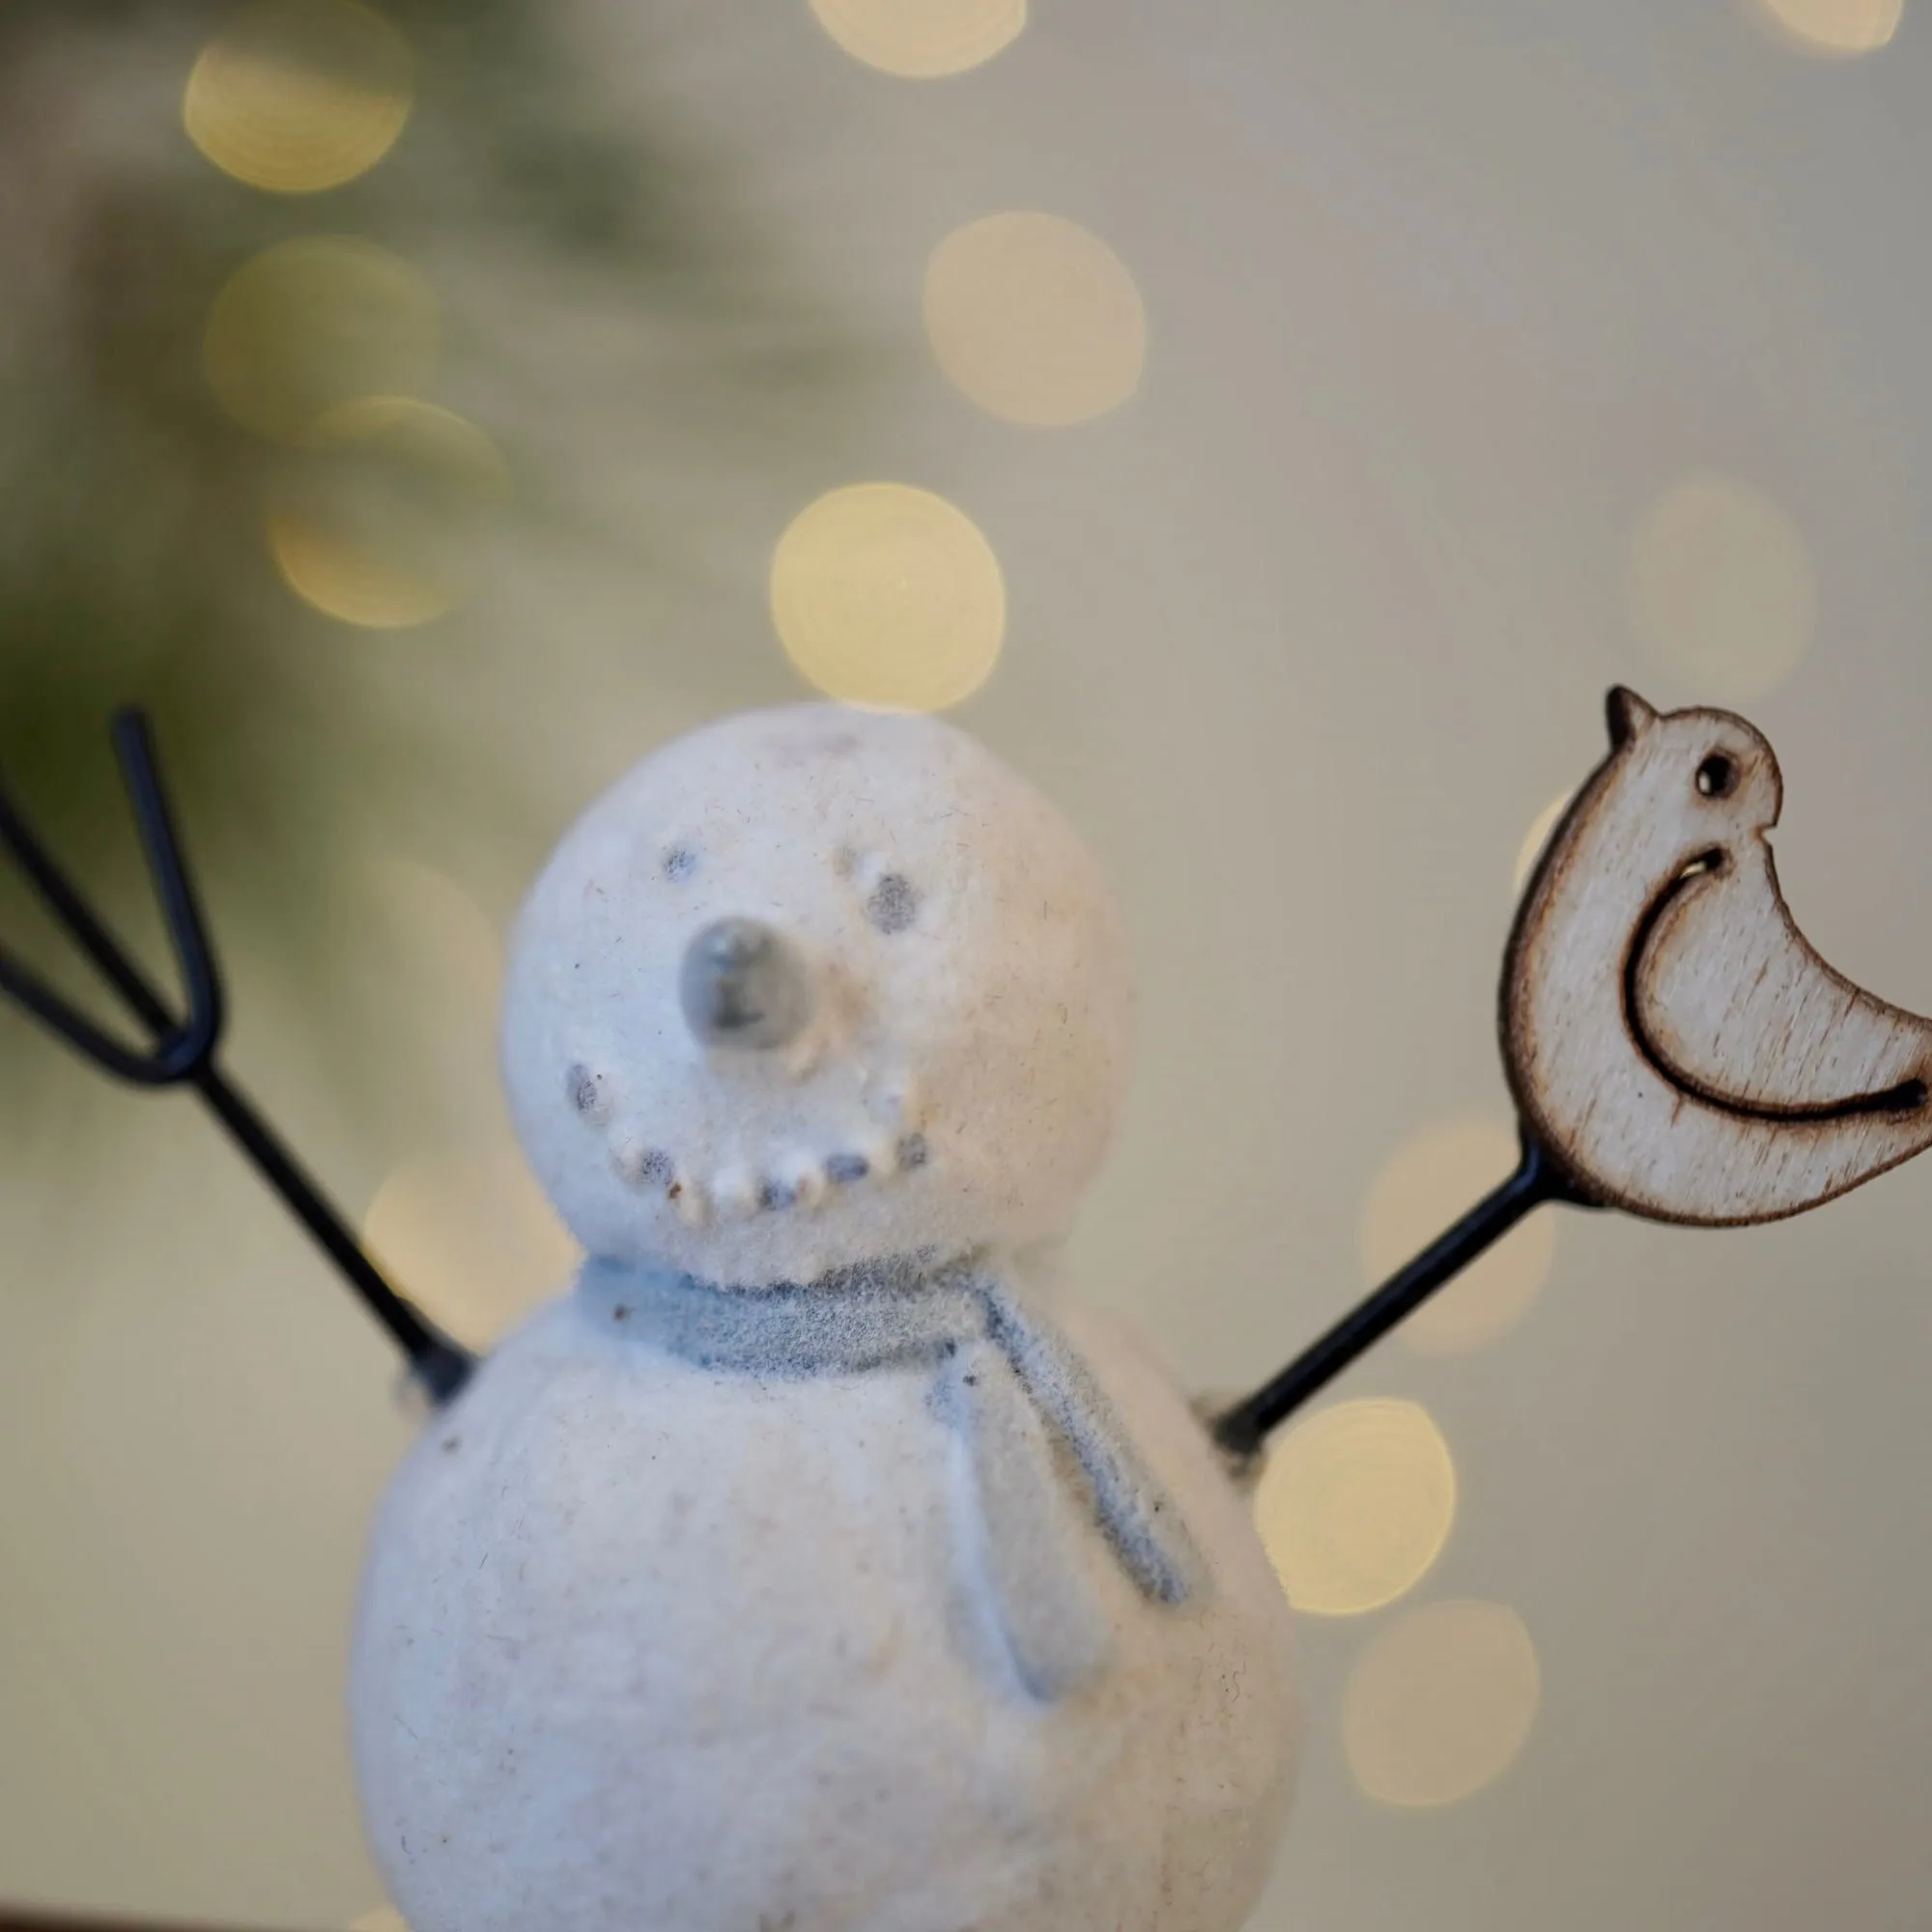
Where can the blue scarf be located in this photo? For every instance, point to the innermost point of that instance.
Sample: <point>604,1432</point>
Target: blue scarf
<point>1018,1399</point>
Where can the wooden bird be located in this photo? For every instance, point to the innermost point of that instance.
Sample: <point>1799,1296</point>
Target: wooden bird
<point>1672,1041</point>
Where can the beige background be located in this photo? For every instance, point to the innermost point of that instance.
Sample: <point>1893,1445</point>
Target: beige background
<point>1438,299</point>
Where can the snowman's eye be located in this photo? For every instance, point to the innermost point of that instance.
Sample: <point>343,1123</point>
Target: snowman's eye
<point>679,863</point>
<point>893,904</point>
<point>589,1092</point>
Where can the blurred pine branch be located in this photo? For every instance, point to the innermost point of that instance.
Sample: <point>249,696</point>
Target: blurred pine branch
<point>132,561</point>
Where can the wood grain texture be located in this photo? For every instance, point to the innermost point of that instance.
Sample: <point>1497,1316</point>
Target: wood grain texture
<point>1668,1034</point>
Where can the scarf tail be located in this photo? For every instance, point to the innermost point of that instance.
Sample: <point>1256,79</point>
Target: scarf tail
<point>1134,1511</point>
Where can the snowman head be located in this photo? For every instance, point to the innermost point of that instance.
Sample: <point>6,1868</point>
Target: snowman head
<point>811,987</point>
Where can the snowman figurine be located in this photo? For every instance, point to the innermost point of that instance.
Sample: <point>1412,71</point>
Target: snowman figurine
<point>811,1566</point>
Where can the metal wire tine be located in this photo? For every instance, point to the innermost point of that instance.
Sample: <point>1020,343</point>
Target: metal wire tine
<point>193,1043</point>
<point>1243,1429</point>
<point>181,1048</point>
<point>184,1050</point>
<point>38,999</point>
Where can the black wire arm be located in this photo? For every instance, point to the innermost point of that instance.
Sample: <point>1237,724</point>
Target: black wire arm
<point>182,1050</point>
<point>1243,1429</point>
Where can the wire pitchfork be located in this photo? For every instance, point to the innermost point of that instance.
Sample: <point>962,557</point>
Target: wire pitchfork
<point>182,1050</point>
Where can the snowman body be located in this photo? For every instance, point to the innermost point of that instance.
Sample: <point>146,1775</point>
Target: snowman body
<point>749,1687</point>
<point>731,1597</point>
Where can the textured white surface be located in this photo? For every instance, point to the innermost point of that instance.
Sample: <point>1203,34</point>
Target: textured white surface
<point>649,1644</point>
<point>991,1025</point>
<point>644,1647</point>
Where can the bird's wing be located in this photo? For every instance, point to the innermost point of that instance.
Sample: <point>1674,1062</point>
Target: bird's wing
<point>1732,1003</point>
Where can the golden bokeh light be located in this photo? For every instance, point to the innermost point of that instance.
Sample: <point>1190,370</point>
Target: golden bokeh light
<point>1429,1181</point>
<point>889,596</point>
<point>1356,1505</point>
<point>378,529</point>
<point>1034,319</point>
<point>1441,1703</point>
<point>343,580</point>
<point>1534,839</point>
<point>299,96</point>
<point>315,323</point>
<point>1722,595</point>
<point>470,1239</point>
<point>1839,26</point>
<point>436,963</point>
<point>441,936</point>
<point>921,39</point>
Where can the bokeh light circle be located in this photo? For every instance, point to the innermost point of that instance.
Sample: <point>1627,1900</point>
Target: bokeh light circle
<point>889,596</point>
<point>921,39</point>
<point>1839,26</point>
<point>1355,1504</point>
<point>314,322</point>
<point>1534,839</point>
<point>1034,319</point>
<point>299,96</point>
<point>376,530</point>
<point>1721,590</point>
<point>470,1239</point>
<point>446,946</point>
<point>1441,1703</point>
<point>1431,1180</point>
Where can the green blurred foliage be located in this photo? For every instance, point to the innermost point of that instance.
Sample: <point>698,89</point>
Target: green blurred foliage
<point>132,566</point>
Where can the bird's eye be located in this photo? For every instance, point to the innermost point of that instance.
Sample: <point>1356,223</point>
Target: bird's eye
<point>1717,775</point>
<point>891,904</point>
<point>679,863</point>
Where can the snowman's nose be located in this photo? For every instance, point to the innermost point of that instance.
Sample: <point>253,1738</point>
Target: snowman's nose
<point>742,984</point>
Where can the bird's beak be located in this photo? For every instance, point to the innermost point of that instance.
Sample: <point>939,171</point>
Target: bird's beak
<point>1627,715</point>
